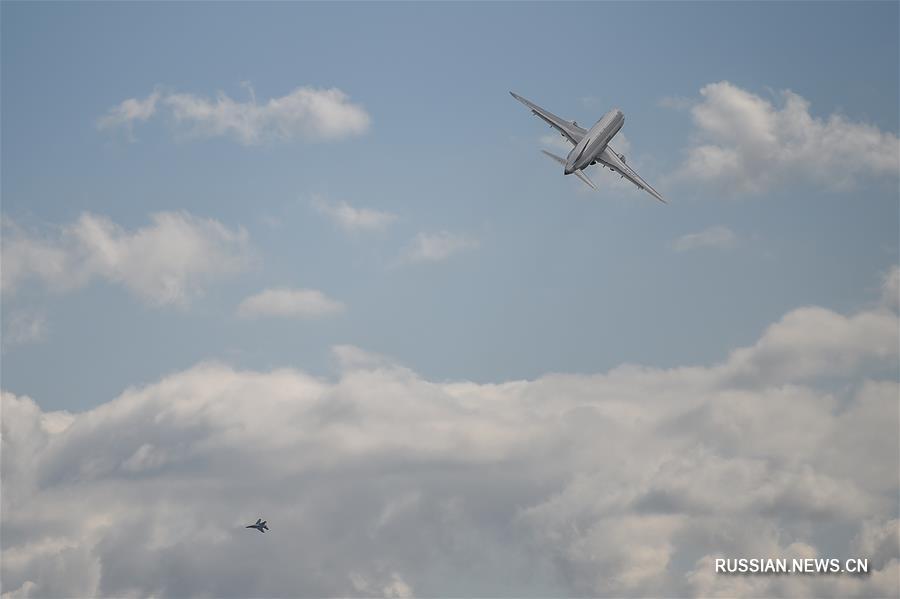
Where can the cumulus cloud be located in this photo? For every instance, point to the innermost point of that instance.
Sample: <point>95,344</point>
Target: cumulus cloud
<point>289,303</point>
<point>718,236</point>
<point>166,262</point>
<point>351,219</point>
<point>382,482</point>
<point>306,113</point>
<point>746,144</point>
<point>436,247</point>
<point>815,342</point>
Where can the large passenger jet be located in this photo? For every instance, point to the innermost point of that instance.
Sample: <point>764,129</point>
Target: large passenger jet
<point>591,146</point>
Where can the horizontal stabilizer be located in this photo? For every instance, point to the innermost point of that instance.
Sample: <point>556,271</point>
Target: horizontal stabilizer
<point>559,159</point>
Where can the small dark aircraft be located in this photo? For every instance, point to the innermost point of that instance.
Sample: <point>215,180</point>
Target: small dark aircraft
<point>260,525</point>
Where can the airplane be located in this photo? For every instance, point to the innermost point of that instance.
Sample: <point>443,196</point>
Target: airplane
<point>260,525</point>
<point>591,146</point>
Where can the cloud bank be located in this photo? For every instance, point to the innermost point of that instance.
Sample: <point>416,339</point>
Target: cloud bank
<point>166,262</point>
<point>746,144</point>
<point>306,114</point>
<point>382,482</point>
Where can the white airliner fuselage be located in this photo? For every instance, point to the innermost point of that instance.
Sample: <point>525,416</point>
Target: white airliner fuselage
<point>591,146</point>
<point>595,141</point>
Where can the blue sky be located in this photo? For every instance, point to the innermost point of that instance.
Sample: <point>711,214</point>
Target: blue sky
<point>561,280</point>
<point>305,262</point>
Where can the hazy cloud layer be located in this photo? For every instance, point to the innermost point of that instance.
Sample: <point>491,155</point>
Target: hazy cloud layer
<point>436,247</point>
<point>166,262</point>
<point>21,327</point>
<point>307,113</point>
<point>747,144</point>
<point>381,482</point>
<point>289,303</point>
<point>718,236</point>
<point>890,295</point>
<point>352,219</point>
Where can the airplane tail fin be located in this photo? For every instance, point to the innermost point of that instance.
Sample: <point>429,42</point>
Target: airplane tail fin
<point>579,174</point>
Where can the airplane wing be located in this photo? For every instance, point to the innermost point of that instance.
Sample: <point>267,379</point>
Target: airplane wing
<point>610,158</point>
<point>569,129</point>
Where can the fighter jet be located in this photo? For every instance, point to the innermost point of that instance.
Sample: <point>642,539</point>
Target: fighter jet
<point>260,525</point>
<point>591,146</point>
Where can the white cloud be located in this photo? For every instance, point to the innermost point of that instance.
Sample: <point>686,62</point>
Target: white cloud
<point>21,327</point>
<point>352,219</point>
<point>746,144</point>
<point>289,303</point>
<point>128,111</point>
<point>622,145</point>
<point>558,143</point>
<point>814,342</point>
<point>166,262</point>
<point>306,113</point>
<point>382,482</point>
<point>718,236</point>
<point>436,247</point>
